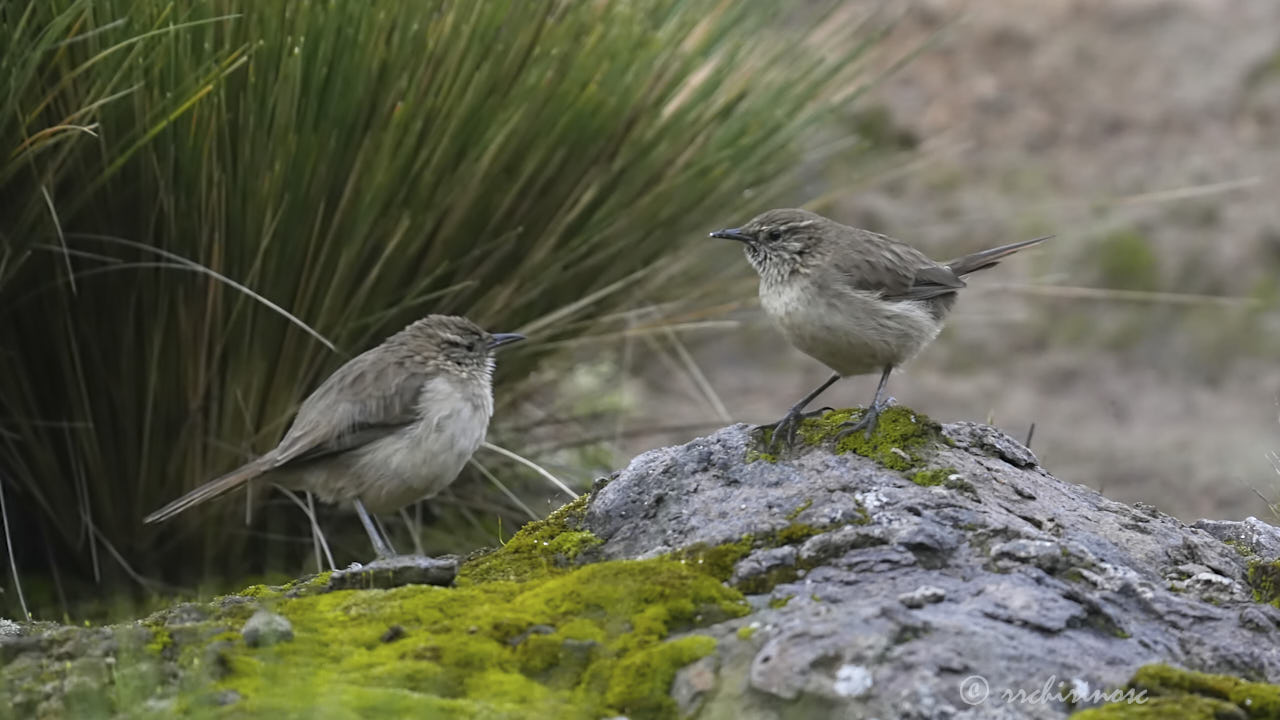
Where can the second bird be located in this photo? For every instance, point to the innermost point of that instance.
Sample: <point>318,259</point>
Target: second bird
<point>394,425</point>
<point>857,301</point>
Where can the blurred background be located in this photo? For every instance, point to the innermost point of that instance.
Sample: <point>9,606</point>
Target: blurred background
<point>207,207</point>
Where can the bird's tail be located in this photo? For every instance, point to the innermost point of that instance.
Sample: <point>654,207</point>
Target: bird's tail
<point>984,259</point>
<point>212,489</point>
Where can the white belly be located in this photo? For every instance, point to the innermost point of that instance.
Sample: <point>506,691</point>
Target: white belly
<point>854,332</point>
<point>413,463</point>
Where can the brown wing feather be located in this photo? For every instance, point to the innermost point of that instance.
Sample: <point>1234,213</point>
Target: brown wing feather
<point>371,396</point>
<point>894,269</point>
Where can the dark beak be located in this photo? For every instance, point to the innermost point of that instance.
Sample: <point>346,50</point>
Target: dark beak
<point>732,234</point>
<point>497,340</point>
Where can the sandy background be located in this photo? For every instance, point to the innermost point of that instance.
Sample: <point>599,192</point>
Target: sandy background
<point>1146,135</point>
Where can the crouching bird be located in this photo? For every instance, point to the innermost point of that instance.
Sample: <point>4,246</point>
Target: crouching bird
<point>392,426</point>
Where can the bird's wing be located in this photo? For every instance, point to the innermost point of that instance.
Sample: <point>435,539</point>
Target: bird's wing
<point>894,269</point>
<point>372,396</point>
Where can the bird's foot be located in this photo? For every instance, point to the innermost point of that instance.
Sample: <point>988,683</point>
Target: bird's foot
<point>867,421</point>
<point>786,428</point>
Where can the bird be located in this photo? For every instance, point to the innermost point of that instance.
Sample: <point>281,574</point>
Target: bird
<point>857,301</point>
<point>391,426</point>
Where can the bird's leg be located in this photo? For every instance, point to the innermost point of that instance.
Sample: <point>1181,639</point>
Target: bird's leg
<point>787,426</point>
<point>869,419</point>
<point>380,546</point>
<point>386,536</point>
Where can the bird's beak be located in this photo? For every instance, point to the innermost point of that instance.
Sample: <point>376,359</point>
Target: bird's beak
<point>497,340</point>
<point>732,234</point>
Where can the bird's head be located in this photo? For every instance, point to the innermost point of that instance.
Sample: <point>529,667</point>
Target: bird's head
<point>779,242</point>
<point>459,345</point>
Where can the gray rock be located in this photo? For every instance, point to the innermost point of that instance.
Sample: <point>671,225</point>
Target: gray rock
<point>395,572</point>
<point>265,628</point>
<point>1046,583</point>
<point>923,595</point>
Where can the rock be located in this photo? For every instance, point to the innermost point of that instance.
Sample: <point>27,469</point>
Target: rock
<point>965,584</point>
<point>266,628</point>
<point>393,633</point>
<point>923,595</point>
<point>1043,579</point>
<point>395,572</point>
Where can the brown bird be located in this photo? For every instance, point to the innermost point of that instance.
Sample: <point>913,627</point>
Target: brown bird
<point>857,301</point>
<point>392,426</point>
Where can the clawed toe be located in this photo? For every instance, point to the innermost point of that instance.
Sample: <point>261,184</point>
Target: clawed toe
<point>866,422</point>
<point>785,430</point>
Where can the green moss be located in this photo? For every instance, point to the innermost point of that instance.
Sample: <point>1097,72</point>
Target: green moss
<point>1186,695</point>
<point>1167,708</point>
<point>932,478</point>
<point>796,533</point>
<point>641,684</point>
<point>538,548</point>
<point>1242,548</point>
<point>1264,578</point>
<point>799,509</point>
<point>780,602</point>
<point>585,642</point>
<point>717,561</point>
<point>756,453</point>
<point>746,632</point>
<point>900,441</point>
<point>161,640</point>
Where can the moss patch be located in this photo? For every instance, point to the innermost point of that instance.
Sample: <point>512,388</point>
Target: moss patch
<point>527,633</point>
<point>537,548</point>
<point>900,441</point>
<point>1264,578</point>
<point>1185,695</point>
<point>799,509</point>
<point>1240,547</point>
<point>583,643</point>
<point>715,560</point>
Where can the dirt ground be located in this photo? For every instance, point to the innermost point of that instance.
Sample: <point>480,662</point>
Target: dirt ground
<point>1146,135</point>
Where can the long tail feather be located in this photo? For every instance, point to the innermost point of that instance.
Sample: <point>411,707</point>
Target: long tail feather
<point>987,258</point>
<point>212,489</point>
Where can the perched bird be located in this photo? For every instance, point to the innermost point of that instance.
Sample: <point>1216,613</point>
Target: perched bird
<point>394,425</point>
<point>855,300</point>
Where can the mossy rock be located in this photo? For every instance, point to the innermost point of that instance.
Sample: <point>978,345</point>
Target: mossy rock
<point>1177,694</point>
<point>901,440</point>
<point>587,642</point>
<point>1264,578</point>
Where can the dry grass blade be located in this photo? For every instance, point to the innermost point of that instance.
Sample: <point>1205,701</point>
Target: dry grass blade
<point>323,175</point>
<point>1111,294</point>
<point>532,466</point>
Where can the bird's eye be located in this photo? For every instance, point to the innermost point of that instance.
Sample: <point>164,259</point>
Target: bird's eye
<point>775,234</point>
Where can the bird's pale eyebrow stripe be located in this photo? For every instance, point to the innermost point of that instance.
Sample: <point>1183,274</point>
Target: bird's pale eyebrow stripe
<point>802,223</point>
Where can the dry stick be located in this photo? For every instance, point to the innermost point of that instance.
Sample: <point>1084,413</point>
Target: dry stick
<point>1030,432</point>
<point>699,378</point>
<point>413,529</point>
<point>504,490</point>
<point>316,534</point>
<point>8,542</point>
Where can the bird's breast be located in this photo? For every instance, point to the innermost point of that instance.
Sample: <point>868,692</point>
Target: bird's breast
<point>424,458</point>
<point>851,331</point>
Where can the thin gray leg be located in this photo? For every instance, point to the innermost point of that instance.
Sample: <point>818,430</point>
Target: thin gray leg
<point>872,415</point>
<point>380,546</point>
<point>785,429</point>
